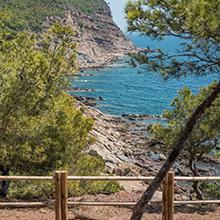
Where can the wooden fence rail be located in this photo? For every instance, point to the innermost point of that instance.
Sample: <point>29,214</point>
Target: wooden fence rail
<point>61,198</point>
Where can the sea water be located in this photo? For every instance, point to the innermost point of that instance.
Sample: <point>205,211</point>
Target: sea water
<point>134,90</point>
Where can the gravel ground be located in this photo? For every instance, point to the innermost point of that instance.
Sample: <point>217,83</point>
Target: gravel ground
<point>112,213</point>
<point>98,213</point>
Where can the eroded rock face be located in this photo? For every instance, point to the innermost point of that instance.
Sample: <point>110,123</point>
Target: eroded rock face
<point>129,153</point>
<point>119,146</point>
<point>100,41</point>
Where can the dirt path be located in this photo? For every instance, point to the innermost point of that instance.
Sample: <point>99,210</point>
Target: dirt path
<point>97,213</point>
<point>112,213</point>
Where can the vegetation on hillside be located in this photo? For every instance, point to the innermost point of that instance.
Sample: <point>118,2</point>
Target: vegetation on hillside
<point>31,14</point>
<point>41,131</point>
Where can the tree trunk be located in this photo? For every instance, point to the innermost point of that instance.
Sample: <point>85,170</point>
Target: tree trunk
<point>195,185</point>
<point>4,183</point>
<point>177,147</point>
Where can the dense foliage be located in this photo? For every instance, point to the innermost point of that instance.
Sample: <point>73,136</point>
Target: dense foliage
<point>36,117</point>
<point>31,14</point>
<point>41,130</point>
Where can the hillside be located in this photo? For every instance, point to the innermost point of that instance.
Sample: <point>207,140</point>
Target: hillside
<point>30,14</point>
<point>100,40</point>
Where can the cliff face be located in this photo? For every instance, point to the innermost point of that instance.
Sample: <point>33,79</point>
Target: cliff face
<point>99,39</point>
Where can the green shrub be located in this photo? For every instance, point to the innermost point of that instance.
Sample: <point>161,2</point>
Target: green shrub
<point>211,190</point>
<point>31,190</point>
<point>87,165</point>
<point>35,190</point>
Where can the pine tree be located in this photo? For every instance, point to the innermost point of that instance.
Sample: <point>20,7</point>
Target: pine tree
<point>196,23</point>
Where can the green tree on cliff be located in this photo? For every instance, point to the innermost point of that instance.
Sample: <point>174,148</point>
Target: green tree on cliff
<point>197,24</point>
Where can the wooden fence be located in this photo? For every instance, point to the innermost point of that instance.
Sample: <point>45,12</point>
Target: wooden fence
<point>61,202</point>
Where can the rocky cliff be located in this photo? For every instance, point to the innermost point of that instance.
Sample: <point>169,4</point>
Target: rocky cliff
<point>99,39</point>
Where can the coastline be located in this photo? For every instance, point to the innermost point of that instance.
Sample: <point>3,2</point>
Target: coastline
<point>127,151</point>
<point>107,61</point>
<point>121,141</point>
<point>125,142</point>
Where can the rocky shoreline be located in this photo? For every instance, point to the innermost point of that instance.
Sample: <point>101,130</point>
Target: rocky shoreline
<point>128,150</point>
<point>106,61</point>
<point>119,140</point>
<point>123,142</point>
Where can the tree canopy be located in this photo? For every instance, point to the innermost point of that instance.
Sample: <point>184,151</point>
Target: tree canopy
<point>36,117</point>
<point>196,23</point>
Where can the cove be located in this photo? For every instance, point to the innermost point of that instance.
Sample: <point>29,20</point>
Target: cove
<point>129,90</point>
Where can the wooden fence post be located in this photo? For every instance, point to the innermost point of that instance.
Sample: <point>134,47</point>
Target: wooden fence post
<point>164,199</point>
<point>57,195</point>
<point>170,192</point>
<point>168,197</point>
<point>63,195</point>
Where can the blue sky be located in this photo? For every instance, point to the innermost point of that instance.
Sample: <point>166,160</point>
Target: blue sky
<point>117,7</point>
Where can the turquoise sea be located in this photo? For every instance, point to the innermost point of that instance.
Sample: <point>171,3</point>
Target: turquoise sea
<point>129,90</point>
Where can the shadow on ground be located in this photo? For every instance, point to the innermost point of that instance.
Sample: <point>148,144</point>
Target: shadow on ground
<point>184,209</point>
<point>80,217</point>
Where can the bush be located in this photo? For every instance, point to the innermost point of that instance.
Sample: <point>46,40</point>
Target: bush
<point>211,190</point>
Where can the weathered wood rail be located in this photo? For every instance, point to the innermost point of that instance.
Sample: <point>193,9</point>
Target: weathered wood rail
<point>61,202</point>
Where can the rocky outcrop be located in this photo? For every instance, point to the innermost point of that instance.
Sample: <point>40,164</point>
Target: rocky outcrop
<point>122,144</point>
<point>100,41</point>
<point>128,149</point>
